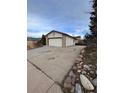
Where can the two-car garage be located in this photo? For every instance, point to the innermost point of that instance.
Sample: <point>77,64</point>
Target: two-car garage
<point>55,42</point>
<point>59,39</point>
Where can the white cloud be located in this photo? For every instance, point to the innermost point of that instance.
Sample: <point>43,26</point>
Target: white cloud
<point>36,23</point>
<point>37,26</point>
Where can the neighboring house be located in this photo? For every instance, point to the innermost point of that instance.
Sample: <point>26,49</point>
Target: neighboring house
<point>78,38</point>
<point>59,39</point>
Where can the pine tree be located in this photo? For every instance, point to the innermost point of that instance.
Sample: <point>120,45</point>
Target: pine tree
<point>93,18</point>
<point>42,41</point>
<point>92,38</point>
<point>90,54</point>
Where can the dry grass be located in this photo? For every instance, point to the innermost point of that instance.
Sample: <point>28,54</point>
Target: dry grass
<point>90,55</point>
<point>31,44</point>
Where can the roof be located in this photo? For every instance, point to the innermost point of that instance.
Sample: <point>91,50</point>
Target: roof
<point>77,36</point>
<point>60,33</point>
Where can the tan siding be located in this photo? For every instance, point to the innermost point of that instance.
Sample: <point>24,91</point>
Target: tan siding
<point>54,34</point>
<point>63,41</point>
<point>69,41</point>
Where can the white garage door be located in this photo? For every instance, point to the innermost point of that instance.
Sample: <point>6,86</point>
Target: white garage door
<point>55,42</point>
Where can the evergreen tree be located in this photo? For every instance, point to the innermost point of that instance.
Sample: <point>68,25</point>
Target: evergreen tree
<point>90,54</point>
<point>42,41</point>
<point>93,18</point>
<point>92,38</point>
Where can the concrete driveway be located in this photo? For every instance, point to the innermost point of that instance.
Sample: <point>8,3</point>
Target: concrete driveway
<point>47,67</point>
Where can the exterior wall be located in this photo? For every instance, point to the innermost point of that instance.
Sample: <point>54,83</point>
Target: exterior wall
<point>54,34</point>
<point>69,41</point>
<point>63,41</point>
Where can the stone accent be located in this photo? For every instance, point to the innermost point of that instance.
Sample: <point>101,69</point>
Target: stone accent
<point>83,76</point>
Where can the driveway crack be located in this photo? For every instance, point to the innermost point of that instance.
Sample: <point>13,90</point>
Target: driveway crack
<point>49,88</point>
<point>39,69</point>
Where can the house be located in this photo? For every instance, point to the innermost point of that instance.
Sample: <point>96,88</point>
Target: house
<point>59,39</point>
<point>78,38</point>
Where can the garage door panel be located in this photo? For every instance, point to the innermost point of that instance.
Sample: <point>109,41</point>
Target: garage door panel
<point>55,42</point>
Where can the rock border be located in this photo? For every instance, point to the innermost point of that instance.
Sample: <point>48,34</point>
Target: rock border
<point>88,82</point>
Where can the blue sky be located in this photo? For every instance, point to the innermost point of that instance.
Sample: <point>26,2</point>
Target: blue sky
<point>69,16</point>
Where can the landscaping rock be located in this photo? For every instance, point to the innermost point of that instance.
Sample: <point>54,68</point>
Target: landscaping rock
<point>72,89</point>
<point>87,67</point>
<point>77,80</point>
<point>90,65</point>
<point>93,67</point>
<point>94,82</point>
<point>68,79</point>
<point>86,83</point>
<point>78,88</point>
<point>71,74</point>
<point>82,51</point>
<point>73,80</point>
<point>67,85</point>
<point>74,68</point>
<point>81,63</point>
<point>88,73</point>
<point>77,62</point>
<point>81,56</point>
<point>92,72</point>
<point>91,78</point>
<point>84,72</point>
<point>79,67</point>
<point>78,59</point>
<point>79,71</point>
